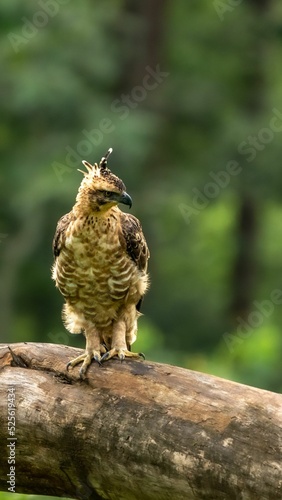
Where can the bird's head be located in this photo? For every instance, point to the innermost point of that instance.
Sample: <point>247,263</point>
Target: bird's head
<point>100,189</point>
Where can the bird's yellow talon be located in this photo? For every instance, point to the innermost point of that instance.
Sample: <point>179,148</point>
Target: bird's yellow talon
<point>121,354</point>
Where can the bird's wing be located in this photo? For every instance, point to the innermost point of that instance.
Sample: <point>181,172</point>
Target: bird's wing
<point>134,241</point>
<point>59,238</point>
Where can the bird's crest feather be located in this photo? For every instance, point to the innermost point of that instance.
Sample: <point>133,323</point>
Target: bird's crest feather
<point>96,170</point>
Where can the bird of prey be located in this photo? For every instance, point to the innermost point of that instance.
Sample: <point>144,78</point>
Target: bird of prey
<point>100,267</point>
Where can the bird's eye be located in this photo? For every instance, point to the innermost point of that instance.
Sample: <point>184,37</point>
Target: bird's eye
<point>108,193</point>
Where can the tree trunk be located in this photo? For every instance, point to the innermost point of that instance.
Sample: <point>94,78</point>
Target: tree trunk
<point>245,265</point>
<point>134,431</point>
<point>254,95</point>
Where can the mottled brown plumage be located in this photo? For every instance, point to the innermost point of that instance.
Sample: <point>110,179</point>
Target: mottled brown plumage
<point>100,267</point>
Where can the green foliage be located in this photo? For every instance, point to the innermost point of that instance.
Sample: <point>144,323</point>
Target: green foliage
<point>255,359</point>
<point>18,496</point>
<point>70,77</point>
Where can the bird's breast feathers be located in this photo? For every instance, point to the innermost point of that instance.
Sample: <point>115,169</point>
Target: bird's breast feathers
<point>94,269</point>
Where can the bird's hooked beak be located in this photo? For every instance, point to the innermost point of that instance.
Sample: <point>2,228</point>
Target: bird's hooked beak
<point>125,199</point>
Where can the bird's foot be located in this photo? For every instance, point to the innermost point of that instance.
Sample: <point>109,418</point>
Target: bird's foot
<point>122,354</point>
<point>86,359</point>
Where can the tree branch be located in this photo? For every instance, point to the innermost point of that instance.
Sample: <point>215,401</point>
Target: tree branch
<point>134,430</point>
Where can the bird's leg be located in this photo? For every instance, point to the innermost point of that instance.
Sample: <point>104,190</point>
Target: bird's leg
<point>118,345</point>
<point>93,350</point>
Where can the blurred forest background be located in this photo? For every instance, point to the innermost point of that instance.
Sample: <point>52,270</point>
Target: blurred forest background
<point>189,95</point>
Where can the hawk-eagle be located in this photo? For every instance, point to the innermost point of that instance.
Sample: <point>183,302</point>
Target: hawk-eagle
<point>100,267</point>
